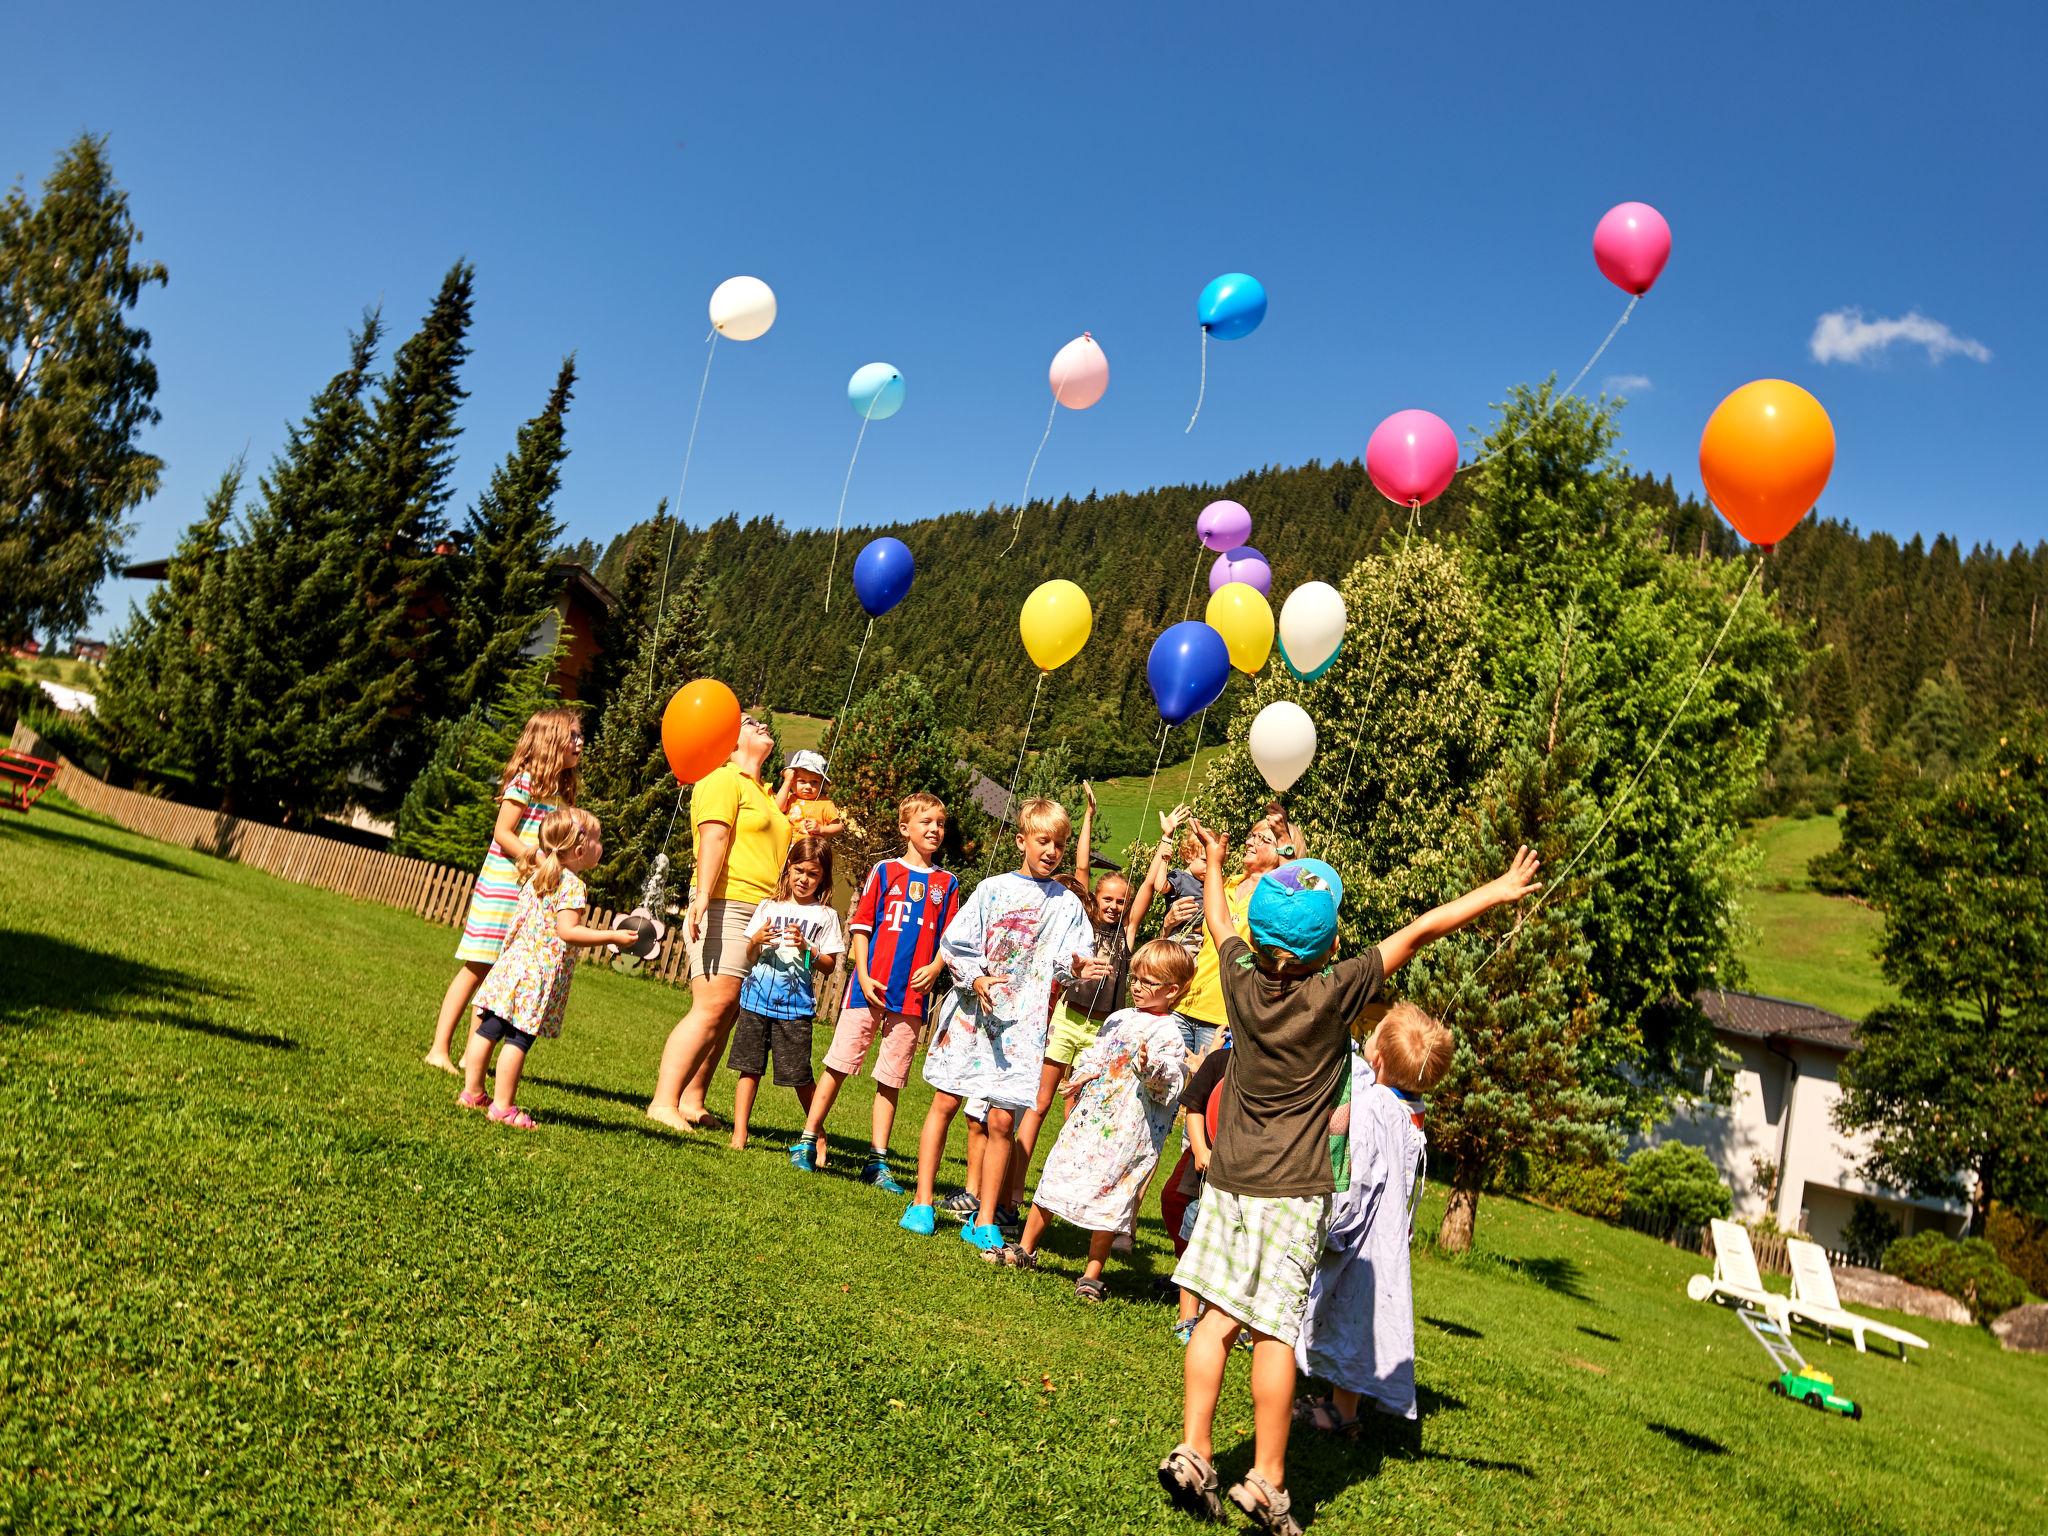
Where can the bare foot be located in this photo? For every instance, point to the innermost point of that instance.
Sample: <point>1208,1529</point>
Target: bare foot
<point>738,1142</point>
<point>439,1059</point>
<point>818,1152</point>
<point>669,1118</point>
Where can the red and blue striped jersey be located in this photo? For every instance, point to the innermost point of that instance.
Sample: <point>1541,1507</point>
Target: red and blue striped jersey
<point>902,911</point>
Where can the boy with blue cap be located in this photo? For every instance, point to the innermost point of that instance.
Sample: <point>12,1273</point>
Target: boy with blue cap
<point>1266,1206</point>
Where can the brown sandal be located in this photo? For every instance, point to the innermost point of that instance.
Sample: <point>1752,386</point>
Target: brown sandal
<point>1267,1507</point>
<point>1190,1484</point>
<point>1323,1414</point>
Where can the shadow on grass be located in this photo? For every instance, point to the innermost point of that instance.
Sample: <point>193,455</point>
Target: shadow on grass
<point>1686,1438</point>
<point>41,829</point>
<point>1455,1330</point>
<point>1595,1333</point>
<point>1564,1276</point>
<point>589,1091</point>
<point>269,1041</point>
<point>647,1132</point>
<point>47,972</point>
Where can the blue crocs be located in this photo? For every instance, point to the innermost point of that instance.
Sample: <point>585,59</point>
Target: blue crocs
<point>876,1172</point>
<point>919,1219</point>
<point>987,1239</point>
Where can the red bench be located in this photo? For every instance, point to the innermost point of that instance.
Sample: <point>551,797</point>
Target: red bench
<point>23,779</point>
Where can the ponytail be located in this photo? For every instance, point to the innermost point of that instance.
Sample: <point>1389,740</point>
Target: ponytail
<point>561,833</point>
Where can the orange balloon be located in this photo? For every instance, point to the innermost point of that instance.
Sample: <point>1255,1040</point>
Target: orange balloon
<point>699,728</point>
<point>1765,457</point>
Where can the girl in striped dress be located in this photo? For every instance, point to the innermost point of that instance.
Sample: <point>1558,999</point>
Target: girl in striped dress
<point>541,777</point>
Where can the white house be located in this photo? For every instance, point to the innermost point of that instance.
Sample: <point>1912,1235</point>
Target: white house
<point>1781,1114</point>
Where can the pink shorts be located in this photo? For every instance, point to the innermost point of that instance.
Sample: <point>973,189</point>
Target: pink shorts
<point>856,1031</point>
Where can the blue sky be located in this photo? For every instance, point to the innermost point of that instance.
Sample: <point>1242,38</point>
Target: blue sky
<point>960,190</point>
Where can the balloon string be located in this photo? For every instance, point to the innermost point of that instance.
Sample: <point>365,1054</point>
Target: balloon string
<point>1194,576</point>
<point>1523,915</point>
<point>1032,472</point>
<point>865,416</point>
<point>1017,773</point>
<point>1566,393</point>
<point>1197,752</point>
<point>661,608</point>
<point>1152,783</point>
<point>1203,391</point>
<point>839,719</point>
<point>1380,650</point>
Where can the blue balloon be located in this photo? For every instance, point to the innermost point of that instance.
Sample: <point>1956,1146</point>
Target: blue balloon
<point>876,391</point>
<point>1187,669</point>
<point>881,575</point>
<point>1231,307</point>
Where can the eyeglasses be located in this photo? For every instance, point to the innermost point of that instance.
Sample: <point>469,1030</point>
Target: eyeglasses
<point>575,738</point>
<point>1262,835</point>
<point>1150,983</point>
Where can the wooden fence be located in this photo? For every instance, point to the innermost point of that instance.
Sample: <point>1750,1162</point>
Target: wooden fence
<point>1772,1255</point>
<point>437,892</point>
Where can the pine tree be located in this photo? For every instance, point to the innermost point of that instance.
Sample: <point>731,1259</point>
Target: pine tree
<point>76,386</point>
<point>503,592</point>
<point>894,743</point>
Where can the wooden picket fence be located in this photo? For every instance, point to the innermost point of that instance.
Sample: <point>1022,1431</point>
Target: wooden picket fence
<point>1773,1257</point>
<point>437,892</point>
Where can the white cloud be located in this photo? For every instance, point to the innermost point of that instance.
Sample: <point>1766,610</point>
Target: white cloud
<point>1627,384</point>
<point>1846,336</point>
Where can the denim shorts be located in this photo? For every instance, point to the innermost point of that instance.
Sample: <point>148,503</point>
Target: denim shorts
<point>1195,1034</point>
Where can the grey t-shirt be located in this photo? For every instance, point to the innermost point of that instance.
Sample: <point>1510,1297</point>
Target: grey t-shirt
<point>1291,1048</point>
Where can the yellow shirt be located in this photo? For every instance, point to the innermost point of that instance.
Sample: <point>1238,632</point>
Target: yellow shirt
<point>1203,1000</point>
<point>760,833</point>
<point>806,816</point>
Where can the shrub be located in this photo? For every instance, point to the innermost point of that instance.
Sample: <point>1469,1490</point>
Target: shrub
<point>1968,1270</point>
<point>1678,1183</point>
<point>1590,1189</point>
<point>2022,1244</point>
<point>1868,1233</point>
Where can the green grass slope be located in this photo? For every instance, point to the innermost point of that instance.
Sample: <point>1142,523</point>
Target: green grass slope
<point>1804,945</point>
<point>259,1274</point>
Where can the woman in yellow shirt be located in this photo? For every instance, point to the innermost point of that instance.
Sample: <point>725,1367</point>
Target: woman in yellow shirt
<point>1270,843</point>
<point>739,837</point>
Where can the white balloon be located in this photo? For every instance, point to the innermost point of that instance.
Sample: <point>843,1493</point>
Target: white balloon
<point>1311,629</point>
<point>1283,743</point>
<point>742,308</point>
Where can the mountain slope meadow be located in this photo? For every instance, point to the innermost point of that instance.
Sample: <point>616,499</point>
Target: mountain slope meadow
<point>258,1273</point>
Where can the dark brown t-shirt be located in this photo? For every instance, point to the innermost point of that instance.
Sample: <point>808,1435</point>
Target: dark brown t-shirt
<point>1289,1059</point>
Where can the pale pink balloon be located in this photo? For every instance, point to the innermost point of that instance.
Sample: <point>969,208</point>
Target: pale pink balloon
<point>1079,373</point>
<point>1632,242</point>
<point>1223,526</point>
<point>1412,456</point>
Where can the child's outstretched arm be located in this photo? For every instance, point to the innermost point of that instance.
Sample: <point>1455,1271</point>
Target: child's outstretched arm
<point>1215,905</point>
<point>1084,851</point>
<point>574,932</point>
<point>1399,948</point>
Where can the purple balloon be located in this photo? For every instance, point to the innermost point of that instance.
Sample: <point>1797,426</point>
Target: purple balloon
<point>1223,526</point>
<point>1243,564</point>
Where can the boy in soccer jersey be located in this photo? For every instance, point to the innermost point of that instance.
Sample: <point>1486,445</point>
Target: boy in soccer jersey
<point>903,908</point>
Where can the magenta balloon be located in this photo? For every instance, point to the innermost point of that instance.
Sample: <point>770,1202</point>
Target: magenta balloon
<point>1223,526</point>
<point>1412,456</point>
<point>1632,242</point>
<point>1243,564</point>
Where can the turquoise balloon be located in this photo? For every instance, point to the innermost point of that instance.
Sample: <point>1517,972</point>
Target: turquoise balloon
<point>1232,306</point>
<point>875,391</point>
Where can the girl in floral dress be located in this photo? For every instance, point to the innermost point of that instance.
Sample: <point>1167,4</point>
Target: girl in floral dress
<point>523,997</point>
<point>540,776</point>
<point>1121,1102</point>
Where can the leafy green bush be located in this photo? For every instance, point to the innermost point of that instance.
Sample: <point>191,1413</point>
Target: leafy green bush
<point>1676,1182</point>
<point>1868,1233</point>
<point>1591,1189</point>
<point>2022,1244</point>
<point>1968,1270</point>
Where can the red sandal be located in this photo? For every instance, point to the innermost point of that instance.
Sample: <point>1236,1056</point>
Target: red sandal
<point>513,1116</point>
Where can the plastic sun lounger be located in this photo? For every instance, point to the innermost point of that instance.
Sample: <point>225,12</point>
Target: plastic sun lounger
<point>23,779</point>
<point>1735,1277</point>
<point>1814,1298</point>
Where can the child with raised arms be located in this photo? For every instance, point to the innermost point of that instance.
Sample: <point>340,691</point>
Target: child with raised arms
<point>904,905</point>
<point>794,938</point>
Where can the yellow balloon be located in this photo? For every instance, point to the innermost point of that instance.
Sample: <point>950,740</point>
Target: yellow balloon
<point>1240,613</point>
<point>1055,623</point>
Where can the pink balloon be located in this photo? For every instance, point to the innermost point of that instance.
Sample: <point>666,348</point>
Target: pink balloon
<point>1412,456</point>
<point>1223,526</point>
<point>1632,242</point>
<point>1243,564</point>
<point>1079,373</point>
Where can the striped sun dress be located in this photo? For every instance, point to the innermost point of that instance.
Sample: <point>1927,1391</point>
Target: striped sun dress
<point>497,884</point>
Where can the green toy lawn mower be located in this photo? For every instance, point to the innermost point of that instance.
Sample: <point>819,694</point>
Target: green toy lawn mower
<point>1796,1379</point>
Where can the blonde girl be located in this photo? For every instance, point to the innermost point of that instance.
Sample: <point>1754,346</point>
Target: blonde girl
<point>523,997</point>
<point>540,777</point>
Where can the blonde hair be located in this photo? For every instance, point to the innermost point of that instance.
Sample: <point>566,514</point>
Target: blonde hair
<point>562,832</point>
<point>1414,1048</point>
<point>918,802</point>
<point>543,756</point>
<point>1039,814</point>
<point>1164,960</point>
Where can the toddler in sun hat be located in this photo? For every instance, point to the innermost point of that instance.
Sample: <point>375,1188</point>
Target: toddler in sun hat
<point>802,797</point>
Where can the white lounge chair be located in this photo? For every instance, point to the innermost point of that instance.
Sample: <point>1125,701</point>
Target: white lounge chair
<point>1735,1277</point>
<point>1814,1298</point>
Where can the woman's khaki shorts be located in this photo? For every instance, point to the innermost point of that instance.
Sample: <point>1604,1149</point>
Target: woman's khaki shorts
<point>721,950</point>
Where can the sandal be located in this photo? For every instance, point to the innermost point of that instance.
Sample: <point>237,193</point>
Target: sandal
<point>477,1100</point>
<point>1090,1290</point>
<point>1190,1484</point>
<point>514,1117</point>
<point>1267,1507</point>
<point>1322,1413</point>
<point>1010,1256</point>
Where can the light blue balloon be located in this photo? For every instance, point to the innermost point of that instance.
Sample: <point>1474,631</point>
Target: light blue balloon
<point>876,391</point>
<point>1232,306</point>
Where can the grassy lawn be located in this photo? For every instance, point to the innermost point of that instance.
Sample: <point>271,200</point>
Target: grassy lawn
<point>1121,802</point>
<point>259,1274</point>
<point>1804,945</point>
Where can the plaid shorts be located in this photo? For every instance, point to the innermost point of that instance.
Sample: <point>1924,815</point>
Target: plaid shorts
<point>1252,1257</point>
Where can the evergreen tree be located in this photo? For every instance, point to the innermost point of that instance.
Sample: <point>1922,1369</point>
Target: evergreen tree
<point>896,743</point>
<point>503,592</point>
<point>402,646</point>
<point>76,386</point>
<point>448,813</point>
<point>635,586</point>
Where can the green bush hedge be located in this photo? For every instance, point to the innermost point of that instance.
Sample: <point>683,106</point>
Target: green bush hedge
<point>1968,1270</point>
<point>2022,1244</point>
<point>1676,1182</point>
<point>1595,1190</point>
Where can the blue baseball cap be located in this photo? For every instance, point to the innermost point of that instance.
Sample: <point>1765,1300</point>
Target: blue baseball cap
<point>1294,908</point>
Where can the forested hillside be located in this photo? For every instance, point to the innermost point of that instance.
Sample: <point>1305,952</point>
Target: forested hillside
<point>1915,649</point>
